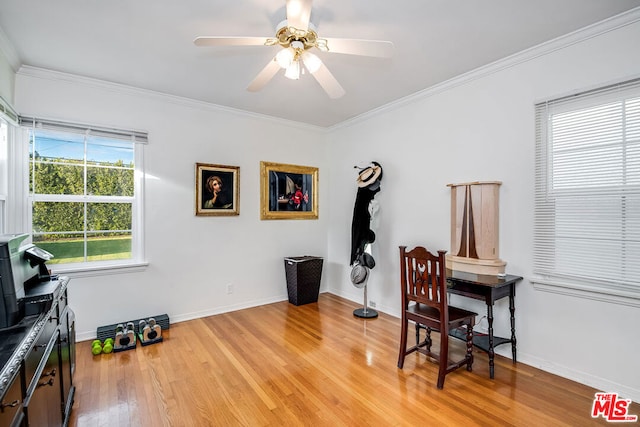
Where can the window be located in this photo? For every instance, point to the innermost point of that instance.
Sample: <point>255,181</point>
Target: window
<point>85,193</point>
<point>587,195</point>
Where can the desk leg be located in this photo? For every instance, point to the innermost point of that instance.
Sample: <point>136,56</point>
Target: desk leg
<point>512,310</point>
<point>490,352</point>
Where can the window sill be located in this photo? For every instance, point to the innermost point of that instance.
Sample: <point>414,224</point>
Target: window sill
<point>613,296</point>
<point>99,270</point>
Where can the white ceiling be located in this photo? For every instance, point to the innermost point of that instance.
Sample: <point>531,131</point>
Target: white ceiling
<point>149,44</point>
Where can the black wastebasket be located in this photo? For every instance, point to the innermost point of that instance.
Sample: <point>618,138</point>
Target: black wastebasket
<point>303,278</point>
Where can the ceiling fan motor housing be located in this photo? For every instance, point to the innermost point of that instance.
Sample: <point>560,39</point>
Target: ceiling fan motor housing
<point>286,35</point>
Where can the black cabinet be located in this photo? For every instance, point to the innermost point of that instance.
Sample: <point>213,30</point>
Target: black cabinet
<point>36,381</point>
<point>11,412</point>
<point>42,403</point>
<point>67,356</point>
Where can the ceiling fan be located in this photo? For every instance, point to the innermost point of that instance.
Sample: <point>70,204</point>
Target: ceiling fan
<point>297,36</point>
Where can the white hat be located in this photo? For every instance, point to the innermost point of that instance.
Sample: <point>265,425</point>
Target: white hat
<point>369,175</point>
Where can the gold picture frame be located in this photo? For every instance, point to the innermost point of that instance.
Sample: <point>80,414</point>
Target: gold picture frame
<point>217,190</point>
<point>288,191</point>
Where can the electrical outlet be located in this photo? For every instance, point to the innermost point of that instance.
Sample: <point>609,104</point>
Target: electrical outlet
<point>229,288</point>
<point>372,304</point>
<point>482,325</point>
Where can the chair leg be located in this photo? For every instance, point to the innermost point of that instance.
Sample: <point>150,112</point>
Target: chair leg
<point>443,357</point>
<point>403,343</point>
<point>428,338</point>
<point>469,347</point>
<point>418,334</point>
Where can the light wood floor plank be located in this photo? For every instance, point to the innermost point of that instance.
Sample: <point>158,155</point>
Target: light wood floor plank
<point>315,365</point>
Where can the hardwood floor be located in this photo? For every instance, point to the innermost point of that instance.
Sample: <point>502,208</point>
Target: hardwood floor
<point>315,365</point>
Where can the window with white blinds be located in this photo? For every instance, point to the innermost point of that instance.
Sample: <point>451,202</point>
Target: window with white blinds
<point>85,194</point>
<point>587,195</point>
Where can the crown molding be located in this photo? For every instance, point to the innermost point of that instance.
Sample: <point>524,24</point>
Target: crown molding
<point>594,30</point>
<point>58,76</point>
<point>9,51</point>
<point>624,19</point>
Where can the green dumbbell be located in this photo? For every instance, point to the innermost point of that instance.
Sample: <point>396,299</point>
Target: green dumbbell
<point>108,346</point>
<point>96,347</point>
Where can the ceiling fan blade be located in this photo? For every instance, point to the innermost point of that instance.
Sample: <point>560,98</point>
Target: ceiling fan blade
<point>328,82</point>
<point>378,48</point>
<point>264,76</point>
<point>299,13</point>
<point>229,41</point>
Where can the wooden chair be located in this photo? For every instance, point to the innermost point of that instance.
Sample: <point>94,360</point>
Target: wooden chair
<point>425,302</point>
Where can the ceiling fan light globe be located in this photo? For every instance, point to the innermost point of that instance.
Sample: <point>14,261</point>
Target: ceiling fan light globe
<point>311,62</point>
<point>294,7</point>
<point>284,58</point>
<point>293,71</point>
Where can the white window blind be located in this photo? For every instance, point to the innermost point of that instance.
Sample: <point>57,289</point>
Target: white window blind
<point>587,195</point>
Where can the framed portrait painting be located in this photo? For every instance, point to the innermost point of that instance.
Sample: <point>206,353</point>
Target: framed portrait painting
<point>288,191</point>
<point>217,190</point>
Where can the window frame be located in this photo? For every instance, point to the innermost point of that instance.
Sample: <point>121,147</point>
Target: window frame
<point>9,118</point>
<point>554,280</point>
<point>137,262</point>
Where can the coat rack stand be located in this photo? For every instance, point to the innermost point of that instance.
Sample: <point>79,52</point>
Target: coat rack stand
<point>365,312</point>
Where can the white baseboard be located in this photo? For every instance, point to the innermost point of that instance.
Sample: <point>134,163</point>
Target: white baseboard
<point>599,383</point>
<point>91,335</point>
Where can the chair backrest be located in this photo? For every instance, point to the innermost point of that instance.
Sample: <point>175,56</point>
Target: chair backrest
<point>423,279</point>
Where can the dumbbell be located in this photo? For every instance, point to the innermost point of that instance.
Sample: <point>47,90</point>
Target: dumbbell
<point>108,346</point>
<point>143,329</point>
<point>131,333</point>
<point>122,340</point>
<point>156,330</point>
<point>96,347</point>
<point>149,330</point>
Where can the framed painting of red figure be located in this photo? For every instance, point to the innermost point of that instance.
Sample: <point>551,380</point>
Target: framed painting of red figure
<point>288,191</point>
<point>217,190</point>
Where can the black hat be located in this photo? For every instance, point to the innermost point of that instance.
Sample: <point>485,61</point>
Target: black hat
<point>367,260</point>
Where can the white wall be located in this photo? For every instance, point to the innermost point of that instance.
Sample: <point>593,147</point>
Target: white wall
<point>7,78</point>
<point>481,127</point>
<point>191,259</point>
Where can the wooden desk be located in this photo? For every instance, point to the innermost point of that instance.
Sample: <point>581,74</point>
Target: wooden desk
<point>488,289</point>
